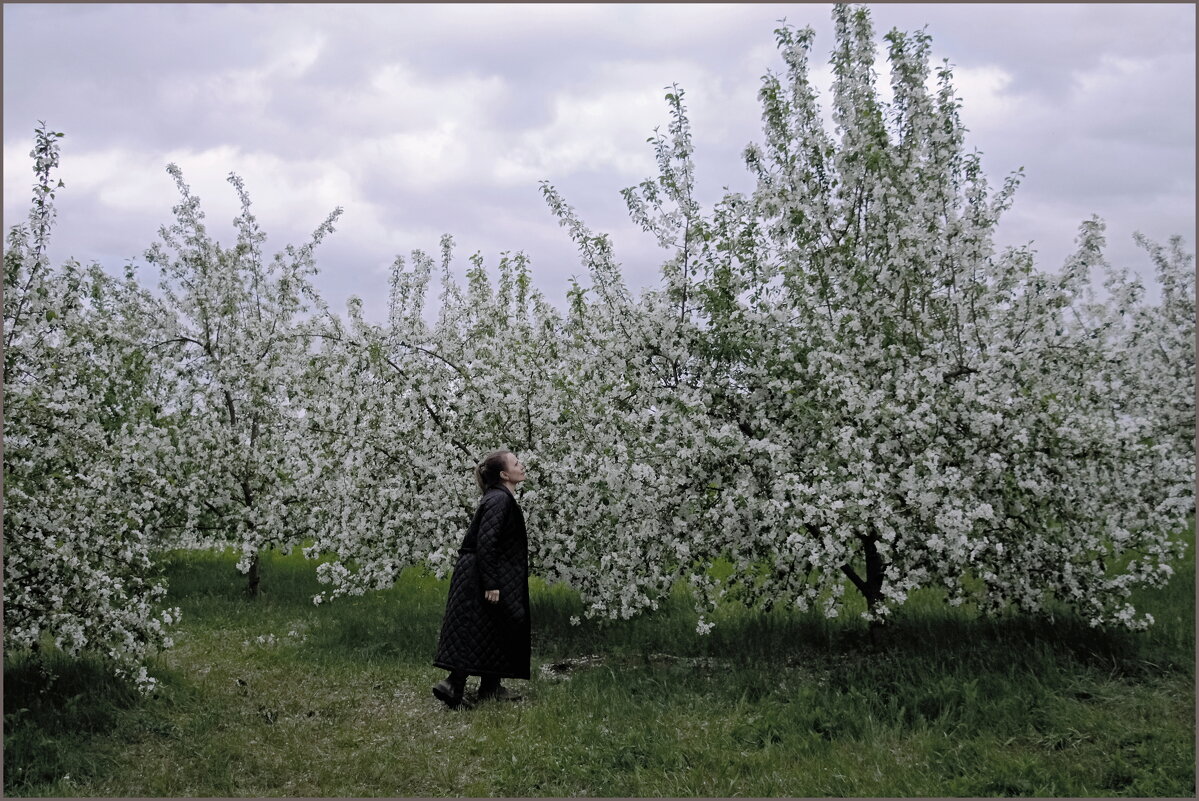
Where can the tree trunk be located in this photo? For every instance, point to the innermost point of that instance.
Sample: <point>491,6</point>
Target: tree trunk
<point>252,589</point>
<point>872,586</point>
<point>248,495</point>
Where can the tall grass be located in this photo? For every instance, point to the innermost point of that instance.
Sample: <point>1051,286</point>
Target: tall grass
<point>278,697</point>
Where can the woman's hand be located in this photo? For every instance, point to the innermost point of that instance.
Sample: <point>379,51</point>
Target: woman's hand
<point>492,595</point>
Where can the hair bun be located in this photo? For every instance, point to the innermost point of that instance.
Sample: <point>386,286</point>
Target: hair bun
<point>487,472</point>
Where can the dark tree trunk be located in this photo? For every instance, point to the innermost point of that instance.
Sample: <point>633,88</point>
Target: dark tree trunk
<point>872,586</point>
<point>248,495</point>
<point>874,572</point>
<point>252,589</point>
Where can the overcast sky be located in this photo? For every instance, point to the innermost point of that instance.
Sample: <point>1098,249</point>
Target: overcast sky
<point>428,119</point>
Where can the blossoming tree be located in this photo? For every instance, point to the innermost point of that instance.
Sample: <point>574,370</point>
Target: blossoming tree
<point>401,412</point>
<point>84,484</point>
<point>237,343</point>
<point>901,404</point>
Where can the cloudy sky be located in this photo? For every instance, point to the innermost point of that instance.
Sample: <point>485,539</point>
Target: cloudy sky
<point>428,119</point>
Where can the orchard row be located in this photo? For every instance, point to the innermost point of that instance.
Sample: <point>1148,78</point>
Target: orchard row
<point>839,381</point>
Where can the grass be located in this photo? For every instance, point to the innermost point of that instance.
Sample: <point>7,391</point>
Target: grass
<point>278,697</point>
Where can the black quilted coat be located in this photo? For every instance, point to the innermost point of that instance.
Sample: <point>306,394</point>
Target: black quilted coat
<point>479,637</point>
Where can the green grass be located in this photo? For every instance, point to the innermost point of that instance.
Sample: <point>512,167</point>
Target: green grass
<point>768,704</point>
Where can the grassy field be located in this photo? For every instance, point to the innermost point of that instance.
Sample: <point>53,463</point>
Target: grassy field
<point>277,697</point>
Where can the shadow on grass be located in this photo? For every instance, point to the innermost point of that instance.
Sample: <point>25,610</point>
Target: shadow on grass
<point>402,623</point>
<point>928,635</point>
<point>399,623</point>
<point>55,707</point>
<point>210,580</point>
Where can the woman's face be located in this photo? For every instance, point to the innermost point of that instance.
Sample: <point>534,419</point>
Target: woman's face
<point>514,473</point>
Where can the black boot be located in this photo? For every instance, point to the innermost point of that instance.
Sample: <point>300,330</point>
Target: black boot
<point>490,689</point>
<point>450,689</point>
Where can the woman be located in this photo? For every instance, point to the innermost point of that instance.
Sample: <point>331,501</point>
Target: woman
<point>486,630</point>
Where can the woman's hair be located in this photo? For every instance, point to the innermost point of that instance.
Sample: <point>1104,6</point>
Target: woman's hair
<point>487,472</point>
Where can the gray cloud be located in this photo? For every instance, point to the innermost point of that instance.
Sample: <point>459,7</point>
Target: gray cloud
<point>423,119</point>
<point>1045,45</point>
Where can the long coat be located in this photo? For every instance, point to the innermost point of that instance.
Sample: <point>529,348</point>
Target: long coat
<point>479,637</point>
